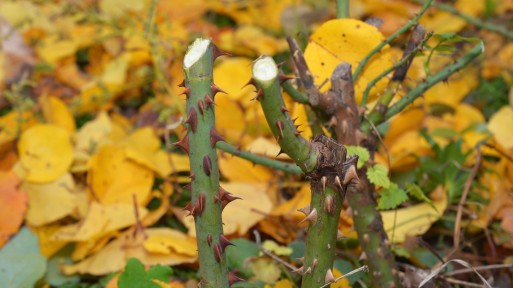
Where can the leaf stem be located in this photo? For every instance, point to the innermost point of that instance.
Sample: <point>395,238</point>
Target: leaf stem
<point>390,39</point>
<point>342,9</point>
<point>294,93</point>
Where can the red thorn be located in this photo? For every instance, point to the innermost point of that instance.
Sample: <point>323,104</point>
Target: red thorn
<point>193,176</point>
<point>192,120</point>
<point>188,208</point>
<point>218,52</point>
<point>215,137</point>
<point>216,90</point>
<point>207,165</point>
<point>187,186</point>
<point>281,64</point>
<point>216,198</point>
<point>223,241</point>
<point>209,101</point>
<point>284,109</point>
<point>297,133</point>
<point>225,196</point>
<point>297,126</point>
<point>232,278</point>
<point>187,92</point>
<point>278,138</point>
<point>250,82</point>
<point>260,94</point>
<point>209,240</point>
<point>284,78</point>
<point>200,107</point>
<point>182,84</point>
<point>280,126</point>
<point>184,143</point>
<point>200,202</point>
<point>217,252</point>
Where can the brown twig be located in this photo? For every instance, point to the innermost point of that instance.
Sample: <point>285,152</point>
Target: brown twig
<point>499,151</point>
<point>363,268</point>
<point>269,253</point>
<point>480,268</point>
<point>376,132</point>
<point>463,198</point>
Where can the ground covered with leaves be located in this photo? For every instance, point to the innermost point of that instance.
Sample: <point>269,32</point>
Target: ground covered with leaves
<point>90,107</point>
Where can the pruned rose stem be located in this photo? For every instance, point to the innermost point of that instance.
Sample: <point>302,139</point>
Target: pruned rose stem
<point>206,200</point>
<point>323,161</point>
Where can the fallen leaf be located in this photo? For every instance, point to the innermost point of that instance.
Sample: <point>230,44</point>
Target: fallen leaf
<point>45,152</point>
<point>13,205</point>
<point>500,125</point>
<point>56,112</point>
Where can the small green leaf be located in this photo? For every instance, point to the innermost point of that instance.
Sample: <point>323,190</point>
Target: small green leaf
<point>417,193</point>
<point>135,276</point>
<point>236,258</point>
<point>363,154</point>
<point>392,197</point>
<point>401,251</point>
<point>21,263</point>
<point>378,174</point>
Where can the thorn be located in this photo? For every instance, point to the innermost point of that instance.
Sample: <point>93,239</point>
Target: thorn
<point>187,92</point>
<point>340,235</point>
<point>339,184</point>
<point>329,246</point>
<point>309,270</point>
<point>215,137</point>
<point>209,240</point>
<point>193,176</point>
<point>315,262</point>
<point>284,109</point>
<point>281,152</point>
<point>281,64</point>
<point>218,52</point>
<point>188,207</point>
<point>184,143</point>
<point>223,241</point>
<point>250,82</point>
<point>217,252</point>
<point>324,179</point>
<point>208,101</point>
<point>329,204</point>
<point>302,259</point>
<point>312,217</point>
<point>227,200</point>
<point>260,94</point>
<point>192,120</point>
<point>362,257</point>
<point>305,210</point>
<point>283,78</point>
<point>297,133</point>
<point>297,126</point>
<point>329,278</point>
<point>187,186</point>
<point>182,84</point>
<point>299,270</point>
<point>207,165</point>
<point>350,175</point>
<point>223,193</point>
<point>366,238</point>
<point>280,126</point>
<point>216,90</point>
<point>232,278</point>
<point>200,107</point>
<point>200,203</point>
<point>278,138</point>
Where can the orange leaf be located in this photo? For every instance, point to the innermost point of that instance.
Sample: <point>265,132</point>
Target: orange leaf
<point>13,205</point>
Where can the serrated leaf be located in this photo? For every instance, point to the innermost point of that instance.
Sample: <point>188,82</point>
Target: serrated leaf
<point>378,174</point>
<point>21,262</point>
<point>135,276</point>
<point>392,197</point>
<point>417,193</point>
<point>363,154</point>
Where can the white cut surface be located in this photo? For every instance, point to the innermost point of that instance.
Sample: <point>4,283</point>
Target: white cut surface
<point>265,69</point>
<point>196,50</point>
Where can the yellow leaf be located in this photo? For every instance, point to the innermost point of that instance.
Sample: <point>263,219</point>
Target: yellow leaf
<point>342,283</point>
<point>276,249</point>
<point>115,70</point>
<point>11,125</point>
<point>300,200</point>
<point>347,40</point>
<point>143,147</point>
<point>231,75</point>
<point>500,125</point>
<point>116,8</point>
<point>49,201</point>
<point>240,170</point>
<point>53,48</point>
<point>56,112</point>
<point>263,146</point>
<point>166,240</point>
<point>45,152</point>
<point>46,244</point>
<point>254,38</point>
<point>285,283</point>
<point>265,270</point>
<point>100,220</point>
<point>457,86</point>
<point>114,178</point>
<point>92,245</point>
<point>413,220</point>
